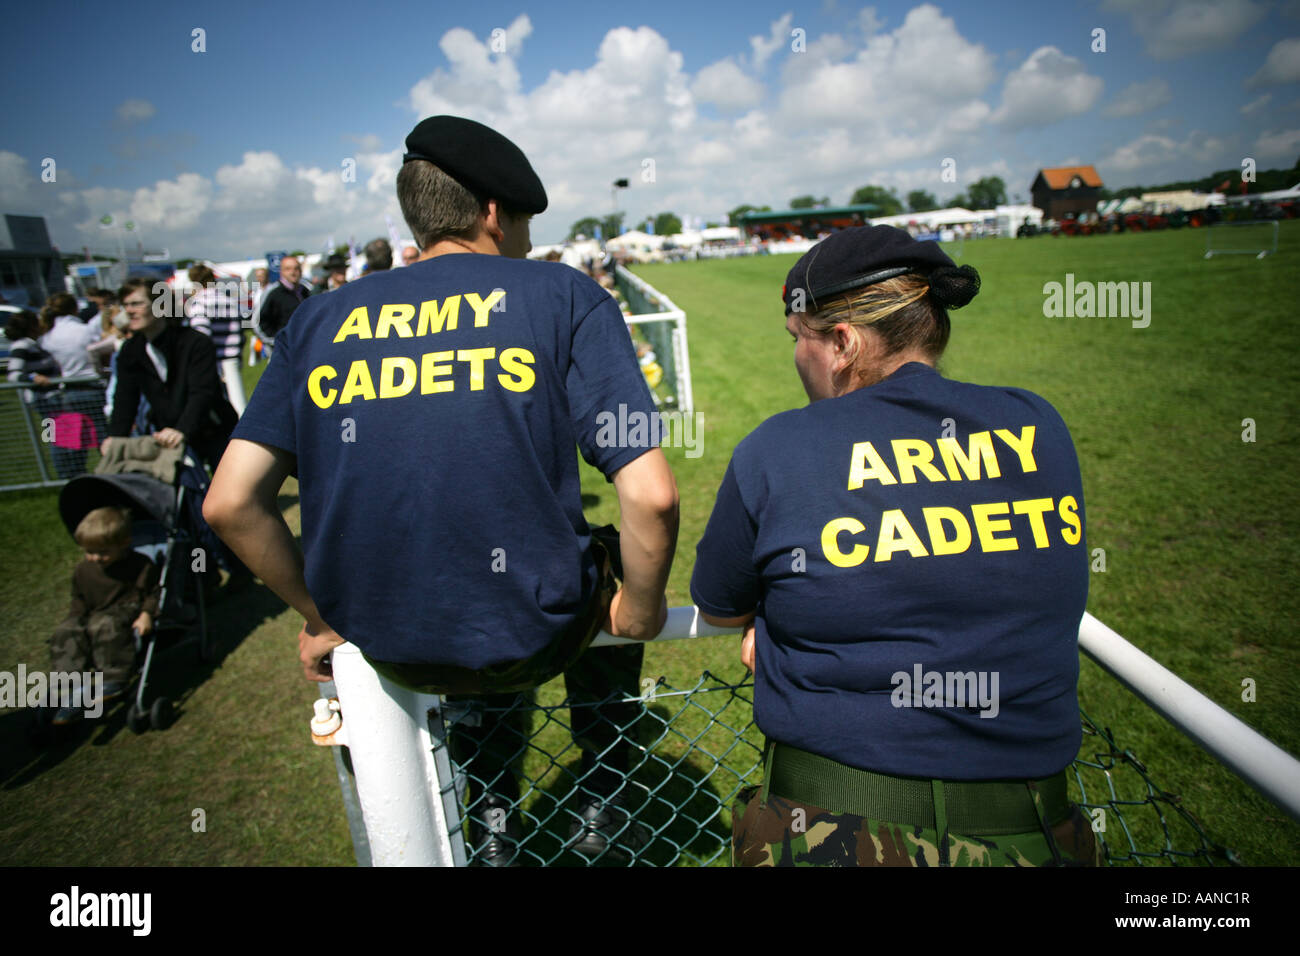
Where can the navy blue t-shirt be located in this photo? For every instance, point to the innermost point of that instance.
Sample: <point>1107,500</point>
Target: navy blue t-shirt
<point>914,551</point>
<point>434,410</point>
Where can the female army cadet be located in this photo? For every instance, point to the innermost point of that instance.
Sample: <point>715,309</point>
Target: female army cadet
<point>906,557</point>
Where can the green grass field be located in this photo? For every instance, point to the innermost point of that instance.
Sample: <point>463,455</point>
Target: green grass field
<point>1198,529</point>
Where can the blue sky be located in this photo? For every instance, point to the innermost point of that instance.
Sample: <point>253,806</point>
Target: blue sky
<point>241,148</point>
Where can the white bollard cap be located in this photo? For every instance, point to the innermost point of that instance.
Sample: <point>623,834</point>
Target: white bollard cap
<point>326,719</point>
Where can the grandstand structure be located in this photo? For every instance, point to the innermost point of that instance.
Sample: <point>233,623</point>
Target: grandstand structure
<point>788,224</point>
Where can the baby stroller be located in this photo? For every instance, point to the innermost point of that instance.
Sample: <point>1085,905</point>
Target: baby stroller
<point>164,527</point>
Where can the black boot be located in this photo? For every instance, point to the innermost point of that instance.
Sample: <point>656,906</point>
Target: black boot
<point>605,829</point>
<point>495,832</point>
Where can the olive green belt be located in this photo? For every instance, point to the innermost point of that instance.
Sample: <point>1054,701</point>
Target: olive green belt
<point>983,808</point>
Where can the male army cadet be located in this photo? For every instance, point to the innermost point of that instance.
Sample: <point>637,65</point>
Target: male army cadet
<point>430,414</point>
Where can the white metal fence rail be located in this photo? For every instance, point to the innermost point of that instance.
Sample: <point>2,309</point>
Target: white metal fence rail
<point>407,794</point>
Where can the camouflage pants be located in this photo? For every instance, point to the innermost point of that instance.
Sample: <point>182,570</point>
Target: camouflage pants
<point>782,832</point>
<point>102,641</point>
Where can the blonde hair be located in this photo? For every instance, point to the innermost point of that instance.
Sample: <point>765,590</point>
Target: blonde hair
<point>104,528</point>
<point>899,311</point>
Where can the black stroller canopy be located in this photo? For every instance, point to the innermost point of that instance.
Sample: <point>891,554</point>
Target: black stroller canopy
<point>145,496</point>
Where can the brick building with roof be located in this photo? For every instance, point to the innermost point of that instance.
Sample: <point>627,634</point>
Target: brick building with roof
<point>1067,189</point>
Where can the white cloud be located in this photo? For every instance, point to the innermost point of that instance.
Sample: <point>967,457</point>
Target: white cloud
<point>369,143</point>
<point>726,84</point>
<point>1162,157</point>
<point>1281,66</point>
<point>1174,28</point>
<point>850,105</point>
<point>15,177</point>
<point>1257,104</point>
<point>1138,98</point>
<point>710,153</point>
<point>1277,146</point>
<point>1146,150</point>
<point>480,76</point>
<point>868,22</point>
<point>1046,88</point>
<point>135,111</point>
<point>172,205</point>
<point>764,46</point>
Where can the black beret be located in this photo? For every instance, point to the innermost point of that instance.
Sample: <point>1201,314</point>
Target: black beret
<point>865,255</point>
<point>480,159</point>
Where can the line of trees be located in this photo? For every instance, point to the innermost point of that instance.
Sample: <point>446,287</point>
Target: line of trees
<point>664,224</point>
<point>1266,180</point>
<point>984,193</point>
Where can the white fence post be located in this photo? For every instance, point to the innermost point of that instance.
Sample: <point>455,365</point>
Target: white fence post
<point>396,770</point>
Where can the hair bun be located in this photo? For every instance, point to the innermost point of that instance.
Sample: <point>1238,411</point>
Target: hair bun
<point>954,286</point>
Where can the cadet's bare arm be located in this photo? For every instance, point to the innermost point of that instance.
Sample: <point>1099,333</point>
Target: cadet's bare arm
<point>241,507</point>
<point>647,499</point>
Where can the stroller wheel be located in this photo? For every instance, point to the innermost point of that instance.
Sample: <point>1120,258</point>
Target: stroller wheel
<point>137,719</point>
<point>160,714</point>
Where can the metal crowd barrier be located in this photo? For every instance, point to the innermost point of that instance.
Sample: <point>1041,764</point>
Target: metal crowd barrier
<point>409,802</point>
<point>50,435</point>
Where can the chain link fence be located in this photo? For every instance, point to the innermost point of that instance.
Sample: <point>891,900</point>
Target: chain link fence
<point>51,434</point>
<point>667,785</point>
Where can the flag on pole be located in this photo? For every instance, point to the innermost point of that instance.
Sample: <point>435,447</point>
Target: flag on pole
<point>395,240</point>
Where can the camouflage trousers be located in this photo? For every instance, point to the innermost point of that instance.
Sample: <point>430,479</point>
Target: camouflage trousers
<point>781,832</point>
<point>102,641</point>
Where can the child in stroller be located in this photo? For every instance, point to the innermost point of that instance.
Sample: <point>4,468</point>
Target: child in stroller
<point>164,527</point>
<point>115,592</point>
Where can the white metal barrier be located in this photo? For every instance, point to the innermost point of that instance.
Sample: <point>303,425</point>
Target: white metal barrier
<point>1229,238</point>
<point>411,811</point>
<point>676,319</point>
<point>1243,750</point>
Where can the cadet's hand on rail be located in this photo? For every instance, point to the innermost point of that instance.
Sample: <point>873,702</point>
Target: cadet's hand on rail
<point>313,651</point>
<point>143,623</point>
<point>747,647</point>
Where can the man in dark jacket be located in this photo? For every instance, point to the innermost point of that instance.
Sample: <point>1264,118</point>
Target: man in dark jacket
<point>281,299</point>
<point>175,368</point>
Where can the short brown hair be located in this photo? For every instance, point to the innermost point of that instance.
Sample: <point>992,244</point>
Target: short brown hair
<point>437,207</point>
<point>900,311</point>
<point>202,274</point>
<point>163,299</point>
<point>60,303</point>
<point>104,528</point>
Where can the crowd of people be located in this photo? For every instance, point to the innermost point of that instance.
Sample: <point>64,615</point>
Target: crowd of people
<point>146,362</point>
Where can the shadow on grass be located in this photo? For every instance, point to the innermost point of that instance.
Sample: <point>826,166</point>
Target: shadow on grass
<point>30,745</point>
